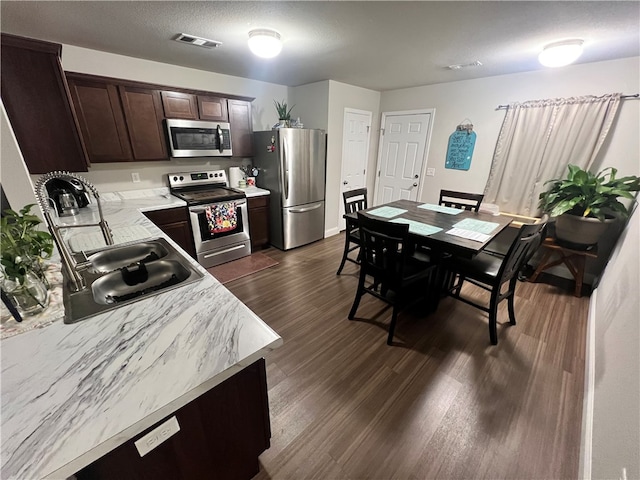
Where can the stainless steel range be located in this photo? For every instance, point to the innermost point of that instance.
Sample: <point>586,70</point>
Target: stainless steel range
<point>218,215</point>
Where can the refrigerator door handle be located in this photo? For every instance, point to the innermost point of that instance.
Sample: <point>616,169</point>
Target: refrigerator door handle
<point>305,209</point>
<point>285,169</point>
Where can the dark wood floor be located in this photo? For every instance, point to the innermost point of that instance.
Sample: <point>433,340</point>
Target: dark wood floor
<point>441,403</point>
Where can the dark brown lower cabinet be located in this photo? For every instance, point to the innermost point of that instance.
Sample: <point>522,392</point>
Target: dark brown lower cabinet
<point>175,223</point>
<point>259,222</point>
<point>221,435</point>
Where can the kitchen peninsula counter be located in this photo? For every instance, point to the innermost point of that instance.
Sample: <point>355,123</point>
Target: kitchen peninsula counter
<point>73,393</point>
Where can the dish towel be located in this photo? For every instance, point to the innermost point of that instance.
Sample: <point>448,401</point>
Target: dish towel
<point>222,217</point>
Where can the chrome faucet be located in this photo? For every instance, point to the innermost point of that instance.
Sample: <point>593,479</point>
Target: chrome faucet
<point>70,265</point>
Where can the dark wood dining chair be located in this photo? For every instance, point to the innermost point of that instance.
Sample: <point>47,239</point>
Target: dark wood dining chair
<point>388,269</point>
<point>491,272</point>
<point>461,200</point>
<point>354,200</point>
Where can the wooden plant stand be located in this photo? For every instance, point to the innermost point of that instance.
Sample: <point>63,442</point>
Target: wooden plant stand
<point>573,259</point>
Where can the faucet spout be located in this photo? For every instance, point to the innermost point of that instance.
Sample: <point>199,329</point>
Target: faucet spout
<point>72,268</point>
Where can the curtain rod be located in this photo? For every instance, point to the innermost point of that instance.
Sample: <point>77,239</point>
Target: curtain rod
<point>622,97</point>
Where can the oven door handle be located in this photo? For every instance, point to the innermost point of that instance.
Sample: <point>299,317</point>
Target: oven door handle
<point>198,210</point>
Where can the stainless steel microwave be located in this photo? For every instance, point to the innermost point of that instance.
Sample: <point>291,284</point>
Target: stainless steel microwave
<point>195,138</point>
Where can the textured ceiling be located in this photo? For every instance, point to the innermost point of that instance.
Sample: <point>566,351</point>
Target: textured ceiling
<point>376,45</point>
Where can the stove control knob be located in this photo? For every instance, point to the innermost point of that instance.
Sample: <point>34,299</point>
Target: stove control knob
<point>175,179</point>
<point>213,175</point>
<point>181,178</point>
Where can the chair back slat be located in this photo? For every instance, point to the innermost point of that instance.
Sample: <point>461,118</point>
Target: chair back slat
<point>522,249</point>
<point>355,200</point>
<point>461,200</point>
<point>384,246</point>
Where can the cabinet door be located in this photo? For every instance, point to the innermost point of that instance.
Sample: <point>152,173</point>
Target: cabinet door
<point>213,108</point>
<point>175,223</point>
<point>241,128</point>
<point>36,98</point>
<point>179,105</point>
<point>222,433</point>
<point>144,116</point>
<point>259,222</point>
<point>101,119</point>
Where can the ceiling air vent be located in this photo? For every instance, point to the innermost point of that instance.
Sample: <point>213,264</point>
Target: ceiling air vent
<point>197,41</point>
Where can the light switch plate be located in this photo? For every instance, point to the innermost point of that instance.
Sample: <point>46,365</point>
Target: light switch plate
<point>156,436</point>
<point>431,172</point>
<point>135,177</point>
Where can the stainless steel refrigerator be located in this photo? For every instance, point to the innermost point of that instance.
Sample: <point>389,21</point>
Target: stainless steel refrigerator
<point>292,163</point>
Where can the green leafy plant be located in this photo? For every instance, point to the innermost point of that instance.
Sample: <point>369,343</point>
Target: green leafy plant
<point>284,112</point>
<point>23,245</point>
<point>584,194</point>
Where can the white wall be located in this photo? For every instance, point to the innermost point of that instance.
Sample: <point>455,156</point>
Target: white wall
<point>311,104</point>
<point>612,408</point>
<point>477,100</point>
<point>14,177</point>
<point>343,96</point>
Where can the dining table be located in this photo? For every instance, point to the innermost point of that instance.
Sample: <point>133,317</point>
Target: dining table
<point>444,230</point>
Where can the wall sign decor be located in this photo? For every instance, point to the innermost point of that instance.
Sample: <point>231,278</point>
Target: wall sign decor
<point>460,149</point>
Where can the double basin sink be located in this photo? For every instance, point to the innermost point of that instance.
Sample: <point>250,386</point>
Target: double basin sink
<point>120,275</point>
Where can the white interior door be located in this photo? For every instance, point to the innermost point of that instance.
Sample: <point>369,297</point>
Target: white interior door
<point>355,153</point>
<point>404,142</point>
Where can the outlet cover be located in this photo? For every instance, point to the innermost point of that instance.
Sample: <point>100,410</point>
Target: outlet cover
<point>156,436</point>
<point>431,172</point>
<point>135,177</point>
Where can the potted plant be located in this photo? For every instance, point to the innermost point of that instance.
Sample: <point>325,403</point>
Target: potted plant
<point>585,204</point>
<point>24,249</point>
<point>284,113</point>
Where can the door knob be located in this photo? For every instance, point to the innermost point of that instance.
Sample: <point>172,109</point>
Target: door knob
<point>415,184</point>
<point>345,182</point>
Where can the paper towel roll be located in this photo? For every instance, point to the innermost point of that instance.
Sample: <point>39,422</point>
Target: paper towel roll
<point>235,175</point>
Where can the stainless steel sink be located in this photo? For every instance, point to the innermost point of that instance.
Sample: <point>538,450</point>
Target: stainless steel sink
<point>123,274</point>
<point>115,258</point>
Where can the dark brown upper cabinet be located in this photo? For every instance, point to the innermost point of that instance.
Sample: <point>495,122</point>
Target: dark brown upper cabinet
<point>101,119</point>
<point>119,122</point>
<point>241,128</point>
<point>123,120</point>
<point>144,116</point>
<point>36,97</point>
<point>179,105</point>
<point>213,108</point>
<point>194,107</point>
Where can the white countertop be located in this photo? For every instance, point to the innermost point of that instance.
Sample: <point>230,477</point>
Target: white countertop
<point>254,191</point>
<point>72,393</point>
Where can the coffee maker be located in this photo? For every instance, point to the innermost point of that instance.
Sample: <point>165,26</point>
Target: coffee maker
<point>68,196</point>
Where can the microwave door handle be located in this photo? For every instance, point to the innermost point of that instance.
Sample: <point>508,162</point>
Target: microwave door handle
<point>220,139</point>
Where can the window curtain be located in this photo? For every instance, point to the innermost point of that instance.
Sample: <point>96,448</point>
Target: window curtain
<point>538,140</point>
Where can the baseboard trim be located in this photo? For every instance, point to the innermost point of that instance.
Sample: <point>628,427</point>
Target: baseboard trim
<point>586,443</point>
<point>331,232</point>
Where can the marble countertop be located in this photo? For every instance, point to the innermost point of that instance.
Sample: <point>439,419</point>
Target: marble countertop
<point>72,393</point>
<point>255,191</point>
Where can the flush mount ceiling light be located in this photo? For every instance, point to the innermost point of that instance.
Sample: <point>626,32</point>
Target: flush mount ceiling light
<point>559,54</point>
<point>265,42</point>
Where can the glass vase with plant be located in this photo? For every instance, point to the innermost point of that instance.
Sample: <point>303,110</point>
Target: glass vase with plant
<point>24,249</point>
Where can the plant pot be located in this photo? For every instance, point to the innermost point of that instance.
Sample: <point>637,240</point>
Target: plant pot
<point>581,232</point>
<point>285,123</point>
<point>30,297</point>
